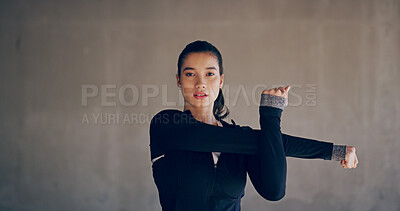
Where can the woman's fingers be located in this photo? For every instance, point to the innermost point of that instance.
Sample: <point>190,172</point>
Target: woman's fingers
<point>355,161</point>
<point>351,159</point>
<point>279,91</point>
<point>349,164</point>
<point>344,164</point>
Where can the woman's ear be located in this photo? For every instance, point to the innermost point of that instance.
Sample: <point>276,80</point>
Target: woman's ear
<point>221,81</point>
<point>178,83</point>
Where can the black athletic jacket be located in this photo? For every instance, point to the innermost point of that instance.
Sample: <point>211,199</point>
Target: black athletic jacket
<point>188,180</point>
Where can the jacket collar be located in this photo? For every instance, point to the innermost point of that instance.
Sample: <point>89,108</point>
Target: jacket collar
<point>224,123</point>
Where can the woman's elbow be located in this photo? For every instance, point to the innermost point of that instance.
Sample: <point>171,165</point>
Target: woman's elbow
<point>277,197</point>
<point>274,196</point>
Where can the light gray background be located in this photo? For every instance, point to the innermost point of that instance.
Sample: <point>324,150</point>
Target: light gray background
<point>348,51</point>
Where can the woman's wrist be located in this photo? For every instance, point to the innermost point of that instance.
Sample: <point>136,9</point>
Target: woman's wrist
<point>338,152</point>
<point>273,101</point>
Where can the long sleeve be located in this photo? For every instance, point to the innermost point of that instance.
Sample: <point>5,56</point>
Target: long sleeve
<point>306,148</point>
<point>175,130</point>
<point>267,171</point>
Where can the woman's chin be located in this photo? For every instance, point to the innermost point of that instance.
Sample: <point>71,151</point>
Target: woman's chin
<point>201,104</point>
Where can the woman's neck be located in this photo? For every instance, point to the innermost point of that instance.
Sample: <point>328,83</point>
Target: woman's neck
<point>202,114</point>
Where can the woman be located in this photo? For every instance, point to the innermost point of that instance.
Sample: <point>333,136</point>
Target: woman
<point>200,162</point>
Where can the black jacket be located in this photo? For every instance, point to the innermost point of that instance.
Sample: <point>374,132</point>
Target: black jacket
<point>186,177</point>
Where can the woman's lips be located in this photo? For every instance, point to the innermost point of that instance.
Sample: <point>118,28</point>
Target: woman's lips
<point>200,95</point>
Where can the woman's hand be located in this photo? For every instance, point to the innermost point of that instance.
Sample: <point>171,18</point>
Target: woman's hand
<point>351,160</point>
<point>280,92</point>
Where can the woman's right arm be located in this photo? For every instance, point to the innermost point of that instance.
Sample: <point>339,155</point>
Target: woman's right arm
<point>172,130</point>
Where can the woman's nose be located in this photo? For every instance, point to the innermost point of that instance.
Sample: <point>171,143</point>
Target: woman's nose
<point>200,84</point>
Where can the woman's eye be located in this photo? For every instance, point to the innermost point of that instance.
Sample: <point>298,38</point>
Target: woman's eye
<point>189,74</point>
<point>210,73</point>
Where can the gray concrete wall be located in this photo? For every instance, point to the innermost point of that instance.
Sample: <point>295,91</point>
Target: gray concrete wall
<point>341,58</point>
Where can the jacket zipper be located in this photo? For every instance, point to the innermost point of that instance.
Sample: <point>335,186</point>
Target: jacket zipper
<point>212,185</point>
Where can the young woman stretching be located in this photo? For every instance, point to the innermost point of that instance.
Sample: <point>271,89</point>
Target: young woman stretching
<point>200,161</point>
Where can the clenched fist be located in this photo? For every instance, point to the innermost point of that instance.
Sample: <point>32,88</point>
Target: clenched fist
<point>280,92</point>
<point>351,160</point>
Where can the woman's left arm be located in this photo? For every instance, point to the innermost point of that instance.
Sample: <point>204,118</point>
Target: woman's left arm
<point>299,147</point>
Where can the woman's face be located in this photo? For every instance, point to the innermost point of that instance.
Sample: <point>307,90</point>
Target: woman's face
<point>200,76</point>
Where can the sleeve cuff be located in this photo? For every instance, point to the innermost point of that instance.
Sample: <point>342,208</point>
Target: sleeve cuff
<point>273,101</point>
<point>338,152</point>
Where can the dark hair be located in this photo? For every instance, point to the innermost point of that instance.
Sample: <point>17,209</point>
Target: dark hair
<point>220,111</point>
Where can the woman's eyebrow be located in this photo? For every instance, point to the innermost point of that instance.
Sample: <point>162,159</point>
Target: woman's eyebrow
<point>191,68</point>
<point>188,68</point>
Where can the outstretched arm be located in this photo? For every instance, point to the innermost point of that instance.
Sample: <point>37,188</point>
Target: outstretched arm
<point>172,130</point>
<point>299,147</point>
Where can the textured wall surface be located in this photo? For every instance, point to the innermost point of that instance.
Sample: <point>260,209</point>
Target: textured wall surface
<point>341,57</point>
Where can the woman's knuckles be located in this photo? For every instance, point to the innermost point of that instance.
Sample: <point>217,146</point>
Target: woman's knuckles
<point>280,92</point>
